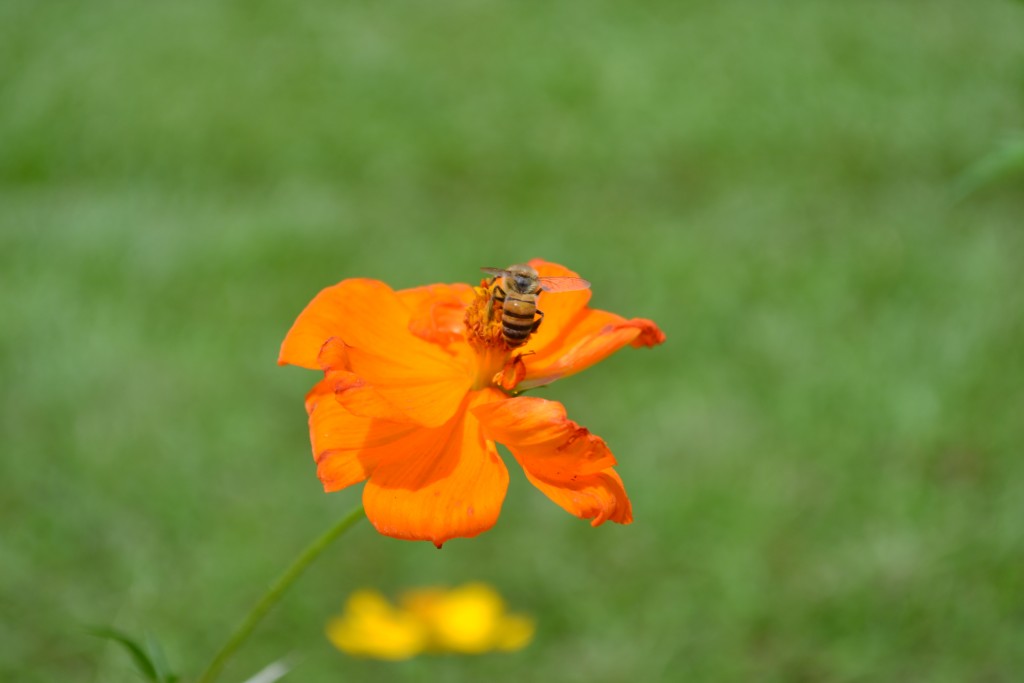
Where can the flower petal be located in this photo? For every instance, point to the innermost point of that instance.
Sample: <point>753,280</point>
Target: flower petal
<point>565,461</point>
<point>319,321</point>
<point>543,438</point>
<point>572,336</point>
<point>415,376</point>
<point>468,619</point>
<point>594,336</point>
<point>438,311</point>
<point>363,444</point>
<point>597,497</point>
<point>560,309</point>
<point>337,470</point>
<point>464,619</point>
<point>372,627</point>
<point>359,398</point>
<point>348,447</point>
<point>322,389</point>
<point>350,389</point>
<point>449,483</point>
<point>418,378</point>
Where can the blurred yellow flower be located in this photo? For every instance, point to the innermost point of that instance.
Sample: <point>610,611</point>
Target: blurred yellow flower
<point>372,627</point>
<point>469,619</point>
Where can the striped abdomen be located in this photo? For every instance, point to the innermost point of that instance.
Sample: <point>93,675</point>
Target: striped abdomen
<point>517,314</point>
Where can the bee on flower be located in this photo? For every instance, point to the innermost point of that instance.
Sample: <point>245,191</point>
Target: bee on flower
<point>514,292</point>
<point>420,384</point>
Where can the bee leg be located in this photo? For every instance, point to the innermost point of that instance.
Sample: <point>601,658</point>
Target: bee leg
<point>536,323</point>
<point>498,300</point>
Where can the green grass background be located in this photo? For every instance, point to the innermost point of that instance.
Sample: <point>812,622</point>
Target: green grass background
<point>825,458</point>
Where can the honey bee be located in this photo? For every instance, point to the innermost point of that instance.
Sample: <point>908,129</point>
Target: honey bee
<point>517,298</point>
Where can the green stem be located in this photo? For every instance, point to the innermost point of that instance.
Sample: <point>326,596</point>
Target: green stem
<point>275,592</point>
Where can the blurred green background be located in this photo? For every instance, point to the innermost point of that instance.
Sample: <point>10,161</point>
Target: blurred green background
<point>824,459</point>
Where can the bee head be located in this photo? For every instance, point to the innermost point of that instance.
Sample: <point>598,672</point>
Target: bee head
<point>523,279</point>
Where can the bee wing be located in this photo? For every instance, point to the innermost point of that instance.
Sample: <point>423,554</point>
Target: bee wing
<point>496,272</point>
<point>563,284</point>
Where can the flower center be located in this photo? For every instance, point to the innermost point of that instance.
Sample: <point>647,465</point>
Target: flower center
<point>495,364</point>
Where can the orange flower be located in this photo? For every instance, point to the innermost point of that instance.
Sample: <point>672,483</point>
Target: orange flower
<point>418,386</point>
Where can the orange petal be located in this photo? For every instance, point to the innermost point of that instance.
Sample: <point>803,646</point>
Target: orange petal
<point>337,470</point>
<point>350,389</point>
<point>333,355</point>
<point>566,462</point>
<point>572,336</point>
<point>415,376</point>
<point>438,311</point>
<point>560,309</point>
<point>319,321</point>
<point>365,444</point>
<point>543,438</point>
<point>597,497</point>
<point>594,336</point>
<point>361,399</point>
<point>348,447</point>
<point>323,388</point>
<point>449,483</point>
<point>650,334</point>
<point>512,374</point>
<point>414,297</point>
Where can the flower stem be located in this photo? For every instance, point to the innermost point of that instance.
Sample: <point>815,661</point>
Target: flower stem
<point>276,590</point>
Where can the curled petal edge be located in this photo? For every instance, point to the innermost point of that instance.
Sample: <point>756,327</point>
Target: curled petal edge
<point>565,461</point>
<point>598,497</point>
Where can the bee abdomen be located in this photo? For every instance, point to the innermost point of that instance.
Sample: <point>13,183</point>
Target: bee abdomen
<point>516,336</point>
<point>517,320</point>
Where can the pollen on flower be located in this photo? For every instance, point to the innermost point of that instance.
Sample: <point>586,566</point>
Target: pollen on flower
<point>483,327</point>
<point>483,332</point>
